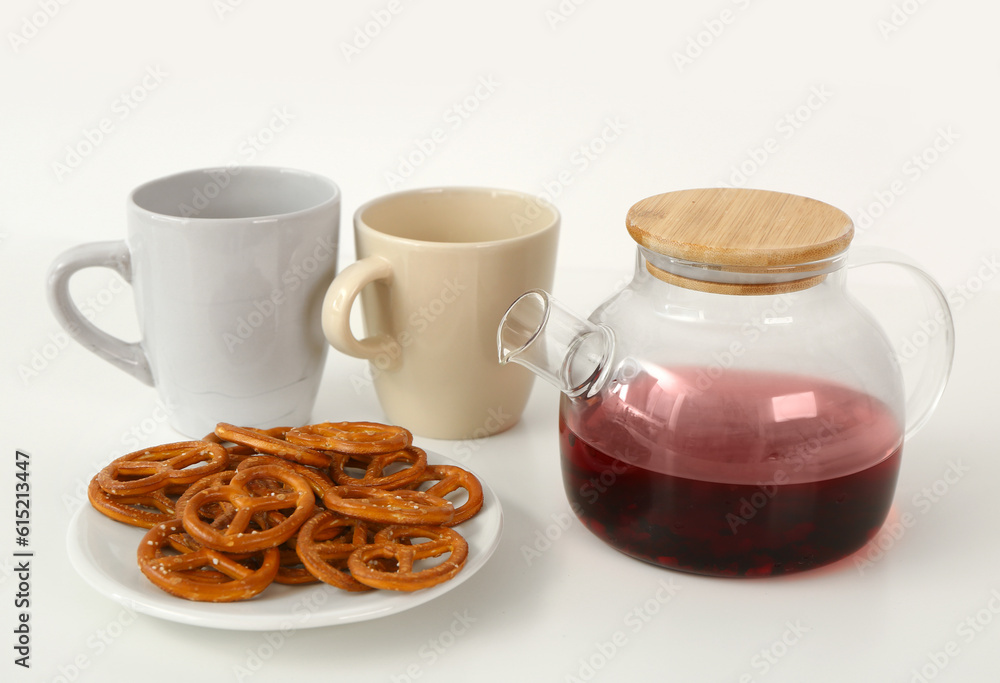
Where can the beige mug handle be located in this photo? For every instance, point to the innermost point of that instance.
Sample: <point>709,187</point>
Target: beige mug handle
<point>339,300</point>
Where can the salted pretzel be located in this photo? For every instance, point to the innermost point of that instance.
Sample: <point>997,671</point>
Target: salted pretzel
<point>238,535</point>
<point>237,451</point>
<point>201,574</point>
<point>356,438</point>
<point>144,510</point>
<point>291,571</point>
<point>318,481</point>
<point>183,543</point>
<point>389,507</point>
<point>220,514</point>
<point>232,447</point>
<point>272,442</point>
<point>154,468</point>
<point>325,542</point>
<point>448,479</point>
<point>217,479</point>
<point>393,543</point>
<point>376,466</point>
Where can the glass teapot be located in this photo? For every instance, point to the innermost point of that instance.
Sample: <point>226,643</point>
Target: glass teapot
<point>733,411</point>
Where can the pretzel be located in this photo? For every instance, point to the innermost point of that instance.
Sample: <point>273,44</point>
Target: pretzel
<point>153,468</point>
<point>389,507</point>
<point>271,441</point>
<point>183,543</point>
<point>291,570</point>
<point>237,536</point>
<point>217,479</point>
<point>356,438</point>
<point>220,515</point>
<point>318,481</point>
<point>144,510</point>
<point>237,451</point>
<point>231,447</point>
<point>449,479</point>
<point>325,542</point>
<point>375,468</point>
<point>181,575</point>
<point>392,543</point>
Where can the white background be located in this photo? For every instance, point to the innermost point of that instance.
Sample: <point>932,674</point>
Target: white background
<point>685,95</point>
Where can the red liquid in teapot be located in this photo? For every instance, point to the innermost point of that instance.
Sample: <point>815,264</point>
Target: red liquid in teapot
<point>746,474</point>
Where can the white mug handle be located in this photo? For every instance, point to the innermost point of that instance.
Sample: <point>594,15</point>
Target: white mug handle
<point>339,300</point>
<point>130,357</point>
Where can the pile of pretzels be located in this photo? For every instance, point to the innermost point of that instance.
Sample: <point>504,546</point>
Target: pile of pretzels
<point>343,503</point>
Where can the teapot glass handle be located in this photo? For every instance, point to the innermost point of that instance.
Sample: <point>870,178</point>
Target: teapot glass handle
<point>923,398</point>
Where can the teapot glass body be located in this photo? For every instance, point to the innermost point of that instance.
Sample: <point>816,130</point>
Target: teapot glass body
<point>736,435</point>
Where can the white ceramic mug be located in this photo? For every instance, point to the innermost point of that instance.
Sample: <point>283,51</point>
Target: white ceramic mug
<point>437,269</point>
<point>228,267</point>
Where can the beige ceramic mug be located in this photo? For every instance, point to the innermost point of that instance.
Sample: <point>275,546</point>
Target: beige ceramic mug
<point>436,270</point>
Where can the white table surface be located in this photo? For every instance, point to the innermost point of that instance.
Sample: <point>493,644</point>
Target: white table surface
<point>214,80</point>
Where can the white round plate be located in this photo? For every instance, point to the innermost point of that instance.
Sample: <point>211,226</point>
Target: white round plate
<point>103,552</point>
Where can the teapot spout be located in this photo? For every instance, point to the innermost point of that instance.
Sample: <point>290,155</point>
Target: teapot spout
<point>570,352</point>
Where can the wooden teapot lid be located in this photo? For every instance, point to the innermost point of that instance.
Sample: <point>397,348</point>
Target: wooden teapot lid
<point>736,230</point>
